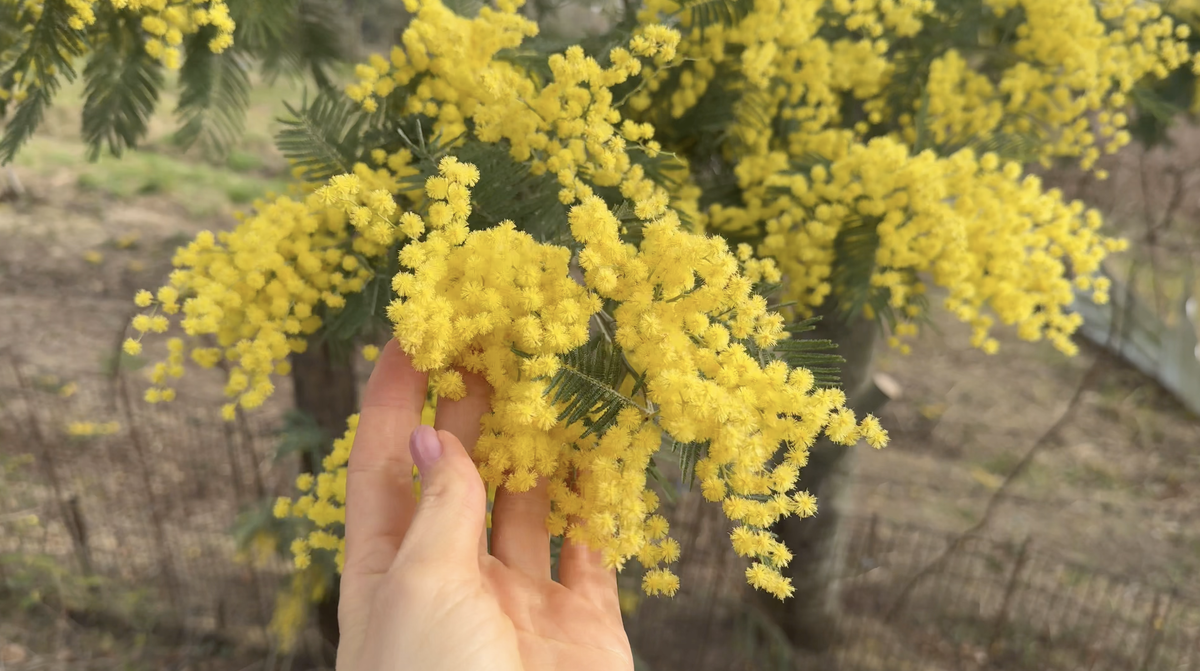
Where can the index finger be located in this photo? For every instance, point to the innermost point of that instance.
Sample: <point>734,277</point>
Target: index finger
<point>379,487</point>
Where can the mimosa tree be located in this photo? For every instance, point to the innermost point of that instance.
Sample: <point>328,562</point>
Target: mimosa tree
<point>630,237</point>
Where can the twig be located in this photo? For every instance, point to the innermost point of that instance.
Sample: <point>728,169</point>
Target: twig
<point>999,495</point>
<point>123,400</point>
<point>46,461</point>
<point>608,335</point>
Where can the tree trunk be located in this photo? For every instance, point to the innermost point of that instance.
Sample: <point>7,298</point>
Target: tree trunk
<point>816,543</point>
<point>324,388</point>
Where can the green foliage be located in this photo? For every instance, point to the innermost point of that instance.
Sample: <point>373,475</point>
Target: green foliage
<point>287,37</point>
<point>290,37</point>
<point>365,312</point>
<point>668,487</point>
<point>467,8</point>
<point>689,454</point>
<point>314,45</point>
<point>324,137</point>
<point>243,161</point>
<point>213,98</point>
<point>32,578</point>
<point>259,518</point>
<point>49,52</point>
<point>855,249</point>
<point>1019,147</point>
<point>1158,108</point>
<point>815,354</point>
<point>35,578</point>
<point>10,32</point>
<point>588,385</point>
<point>300,434</point>
<point>533,54</point>
<point>706,13</point>
<point>1162,103</point>
<point>122,85</point>
<point>508,190</point>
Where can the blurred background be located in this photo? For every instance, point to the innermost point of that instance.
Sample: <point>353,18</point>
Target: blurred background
<point>1031,512</point>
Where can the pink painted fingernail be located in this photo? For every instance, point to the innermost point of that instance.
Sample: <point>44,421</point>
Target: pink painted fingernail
<point>425,446</point>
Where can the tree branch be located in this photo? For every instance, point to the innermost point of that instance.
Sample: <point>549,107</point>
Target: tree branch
<point>1089,378</point>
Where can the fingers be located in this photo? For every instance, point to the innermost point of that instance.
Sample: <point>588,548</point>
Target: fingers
<point>462,418</point>
<point>581,570</point>
<point>379,493</point>
<point>450,515</point>
<point>519,536</point>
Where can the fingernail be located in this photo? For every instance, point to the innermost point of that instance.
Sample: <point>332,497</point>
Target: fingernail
<point>425,446</point>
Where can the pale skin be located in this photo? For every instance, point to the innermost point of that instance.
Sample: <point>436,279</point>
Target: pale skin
<point>420,590</point>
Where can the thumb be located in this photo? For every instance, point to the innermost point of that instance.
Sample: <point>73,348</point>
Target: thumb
<point>450,515</point>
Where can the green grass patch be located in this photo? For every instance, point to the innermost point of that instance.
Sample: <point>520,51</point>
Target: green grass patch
<point>1093,476</point>
<point>202,185</point>
<point>243,161</point>
<point>1001,464</point>
<point>200,188</point>
<point>254,152</point>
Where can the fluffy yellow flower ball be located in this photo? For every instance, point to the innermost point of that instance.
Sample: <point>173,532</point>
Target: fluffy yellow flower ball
<point>686,323</point>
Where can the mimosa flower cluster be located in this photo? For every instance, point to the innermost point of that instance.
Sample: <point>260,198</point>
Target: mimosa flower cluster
<point>250,297</point>
<point>323,502</point>
<point>817,133</point>
<point>1052,79</point>
<point>1076,65</point>
<point>688,320</point>
<point>571,126</point>
<point>1064,79</point>
<point>973,224</point>
<point>497,303</point>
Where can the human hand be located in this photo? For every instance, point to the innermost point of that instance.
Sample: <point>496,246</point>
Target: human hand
<point>420,590</point>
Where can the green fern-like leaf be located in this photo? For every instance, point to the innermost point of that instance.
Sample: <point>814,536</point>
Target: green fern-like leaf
<point>707,13</point>
<point>714,112</point>
<point>588,385</point>
<point>1160,104</point>
<point>27,118</point>
<point>317,40</point>
<point>263,26</point>
<point>855,249</point>
<point>689,455</point>
<point>466,8</point>
<point>1019,147</point>
<point>416,134</point>
<point>49,53</point>
<point>121,91</point>
<point>213,99</point>
<point>815,355</point>
<point>534,53</point>
<point>508,190</point>
<point>12,40</point>
<point>365,312</point>
<point>291,37</point>
<point>324,137</point>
